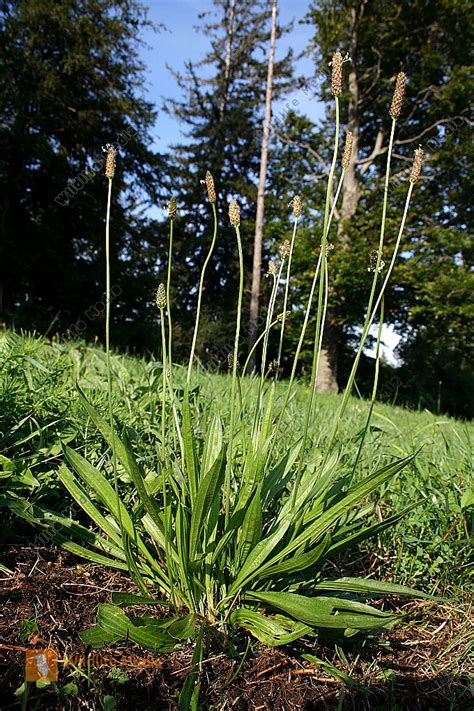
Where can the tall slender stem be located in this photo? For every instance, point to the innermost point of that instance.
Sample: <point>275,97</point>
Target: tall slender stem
<point>320,312</point>
<point>374,387</point>
<point>164,386</point>
<point>164,456</point>
<point>285,298</point>
<point>168,303</point>
<point>271,307</point>
<point>108,293</point>
<point>369,321</point>
<point>307,314</point>
<point>234,376</point>
<point>201,284</point>
<point>368,318</point>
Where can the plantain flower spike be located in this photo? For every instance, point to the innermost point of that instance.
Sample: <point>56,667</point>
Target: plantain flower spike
<point>336,78</point>
<point>272,269</point>
<point>346,156</point>
<point>296,205</point>
<point>285,249</point>
<point>211,189</point>
<point>398,95</point>
<point>161,297</point>
<point>234,213</point>
<point>172,208</point>
<point>110,160</point>
<point>417,165</point>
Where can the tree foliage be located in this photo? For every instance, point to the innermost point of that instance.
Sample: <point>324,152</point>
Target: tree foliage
<point>72,81</point>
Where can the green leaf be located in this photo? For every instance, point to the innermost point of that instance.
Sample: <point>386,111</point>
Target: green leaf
<point>147,632</point>
<point>152,637</point>
<point>328,612</point>
<point>189,447</point>
<point>251,531</point>
<point>112,620</point>
<point>124,599</point>
<point>298,562</point>
<point>91,555</point>
<point>257,556</point>
<point>96,481</point>
<point>327,519</point>
<point>96,637</point>
<point>275,482</point>
<point>124,454</point>
<point>270,631</point>
<point>371,587</point>
<point>209,487</point>
<point>184,628</point>
<point>341,541</point>
<point>78,493</point>
<point>213,445</point>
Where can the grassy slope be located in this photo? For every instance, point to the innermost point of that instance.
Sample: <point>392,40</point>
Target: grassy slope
<point>38,408</point>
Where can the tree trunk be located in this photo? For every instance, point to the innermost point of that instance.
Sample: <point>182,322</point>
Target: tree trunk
<point>326,381</point>
<point>230,19</point>
<point>258,239</point>
<point>327,375</point>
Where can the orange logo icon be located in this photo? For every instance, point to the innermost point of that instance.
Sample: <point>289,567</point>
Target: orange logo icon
<point>41,665</point>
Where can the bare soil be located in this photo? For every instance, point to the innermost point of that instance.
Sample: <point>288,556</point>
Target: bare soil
<point>419,665</point>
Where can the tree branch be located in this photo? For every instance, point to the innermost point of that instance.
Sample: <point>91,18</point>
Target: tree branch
<point>305,146</point>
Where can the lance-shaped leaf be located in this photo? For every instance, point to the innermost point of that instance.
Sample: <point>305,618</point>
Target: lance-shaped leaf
<point>331,612</point>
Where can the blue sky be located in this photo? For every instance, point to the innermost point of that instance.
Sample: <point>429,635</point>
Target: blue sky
<point>180,41</point>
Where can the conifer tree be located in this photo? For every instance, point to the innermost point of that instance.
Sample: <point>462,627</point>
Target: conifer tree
<point>382,39</point>
<point>70,82</point>
<point>221,114</point>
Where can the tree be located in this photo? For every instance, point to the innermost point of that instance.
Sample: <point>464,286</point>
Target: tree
<point>383,38</point>
<point>262,179</point>
<point>71,82</point>
<point>222,112</point>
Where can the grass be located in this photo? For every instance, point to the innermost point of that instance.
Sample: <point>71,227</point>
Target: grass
<point>427,658</point>
<point>429,548</point>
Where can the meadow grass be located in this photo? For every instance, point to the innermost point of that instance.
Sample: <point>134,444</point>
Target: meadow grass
<point>40,409</point>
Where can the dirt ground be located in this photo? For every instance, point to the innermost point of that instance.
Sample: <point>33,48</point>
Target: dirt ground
<point>423,664</point>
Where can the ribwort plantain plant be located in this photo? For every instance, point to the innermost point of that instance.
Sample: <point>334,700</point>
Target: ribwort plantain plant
<point>222,529</point>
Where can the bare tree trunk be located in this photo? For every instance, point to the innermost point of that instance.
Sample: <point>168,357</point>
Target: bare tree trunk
<point>230,18</point>
<point>327,375</point>
<point>258,239</point>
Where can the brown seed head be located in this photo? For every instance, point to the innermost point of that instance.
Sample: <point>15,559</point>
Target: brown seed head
<point>234,213</point>
<point>110,161</point>
<point>398,95</point>
<point>273,366</point>
<point>373,259</point>
<point>230,362</point>
<point>272,269</point>
<point>296,205</point>
<point>346,156</point>
<point>161,297</point>
<point>285,249</point>
<point>172,208</point>
<point>417,165</point>
<point>211,190</point>
<point>336,78</point>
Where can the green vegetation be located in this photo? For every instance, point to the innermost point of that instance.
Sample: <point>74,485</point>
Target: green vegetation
<point>428,549</point>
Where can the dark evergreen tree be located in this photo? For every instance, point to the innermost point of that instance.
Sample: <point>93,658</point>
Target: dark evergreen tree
<point>383,38</point>
<point>71,81</point>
